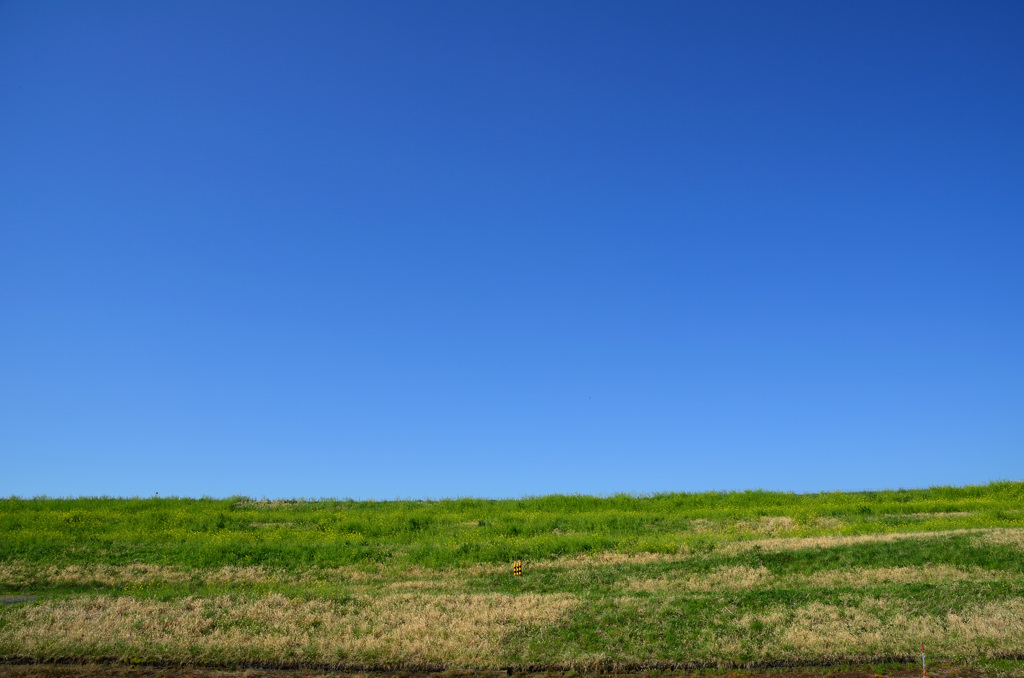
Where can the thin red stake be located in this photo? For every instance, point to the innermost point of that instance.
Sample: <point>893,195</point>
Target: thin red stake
<point>924,668</point>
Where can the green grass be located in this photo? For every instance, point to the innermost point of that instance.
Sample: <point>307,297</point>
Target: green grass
<point>456,532</point>
<point>623,582</point>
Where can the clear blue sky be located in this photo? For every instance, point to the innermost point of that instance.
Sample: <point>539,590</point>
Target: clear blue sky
<point>428,249</point>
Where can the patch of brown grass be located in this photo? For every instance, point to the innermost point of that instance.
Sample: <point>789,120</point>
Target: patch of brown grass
<point>1005,537</point>
<point>877,627</point>
<point>797,543</point>
<point>828,522</point>
<point>742,577</point>
<point>871,630</point>
<point>725,578</point>
<point>251,574</point>
<point>573,562</point>
<point>937,514</point>
<point>922,574</point>
<point>416,584</point>
<point>405,629</point>
<point>16,574</point>
<point>767,525</point>
<point>22,574</point>
<point>771,526</point>
<point>608,558</point>
<point>265,503</point>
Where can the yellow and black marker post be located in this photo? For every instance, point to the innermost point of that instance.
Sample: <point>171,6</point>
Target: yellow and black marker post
<point>517,568</point>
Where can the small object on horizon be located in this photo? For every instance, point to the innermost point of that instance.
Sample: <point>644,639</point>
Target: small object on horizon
<point>517,568</point>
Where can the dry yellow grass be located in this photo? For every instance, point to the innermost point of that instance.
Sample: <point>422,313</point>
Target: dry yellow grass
<point>923,574</point>
<point>737,577</point>
<point>877,628</point>
<point>828,522</point>
<point>796,543</point>
<point>247,575</point>
<point>265,503</point>
<point>419,584</point>
<point>765,525</point>
<point>408,629</point>
<point>1004,537</point>
<point>18,574</point>
<point>772,526</point>
<point>21,574</point>
<point>612,558</point>
<point>742,577</point>
<point>872,630</point>
<point>605,558</point>
<point>936,514</point>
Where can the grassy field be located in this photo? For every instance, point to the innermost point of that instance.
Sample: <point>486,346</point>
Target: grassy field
<point>619,583</point>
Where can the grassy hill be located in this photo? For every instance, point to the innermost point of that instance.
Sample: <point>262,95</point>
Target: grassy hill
<point>623,582</point>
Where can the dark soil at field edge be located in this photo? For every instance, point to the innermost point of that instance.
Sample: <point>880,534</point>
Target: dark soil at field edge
<point>121,671</point>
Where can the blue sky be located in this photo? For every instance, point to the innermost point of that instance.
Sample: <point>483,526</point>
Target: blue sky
<point>412,249</point>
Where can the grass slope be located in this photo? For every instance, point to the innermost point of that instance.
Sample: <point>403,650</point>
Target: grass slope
<point>624,582</point>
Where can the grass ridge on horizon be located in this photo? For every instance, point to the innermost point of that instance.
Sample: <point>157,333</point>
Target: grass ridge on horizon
<point>622,582</point>
<point>452,532</point>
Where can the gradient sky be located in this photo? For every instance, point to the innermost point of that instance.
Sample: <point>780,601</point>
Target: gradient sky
<point>429,249</point>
